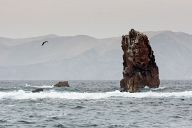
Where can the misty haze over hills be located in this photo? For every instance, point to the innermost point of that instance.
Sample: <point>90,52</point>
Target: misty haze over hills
<point>84,57</point>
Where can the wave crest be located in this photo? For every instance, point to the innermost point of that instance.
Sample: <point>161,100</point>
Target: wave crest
<point>100,95</point>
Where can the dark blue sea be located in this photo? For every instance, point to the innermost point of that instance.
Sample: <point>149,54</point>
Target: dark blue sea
<point>94,104</point>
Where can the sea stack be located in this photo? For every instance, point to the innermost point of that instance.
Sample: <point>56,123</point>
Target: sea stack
<point>139,67</point>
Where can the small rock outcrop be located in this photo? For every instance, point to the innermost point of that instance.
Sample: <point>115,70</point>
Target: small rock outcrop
<point>62,84</point>
<point>139,67</point>
<point>37,90</point>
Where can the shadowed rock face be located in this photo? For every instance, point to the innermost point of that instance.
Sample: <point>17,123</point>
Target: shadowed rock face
<point>139,67</point>
<point>37,90</point>
<point>62,84</point>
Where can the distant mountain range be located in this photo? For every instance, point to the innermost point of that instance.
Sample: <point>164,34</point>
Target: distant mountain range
<point>84,57</point>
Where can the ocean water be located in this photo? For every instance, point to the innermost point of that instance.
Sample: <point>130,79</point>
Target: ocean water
<point>94,104</point>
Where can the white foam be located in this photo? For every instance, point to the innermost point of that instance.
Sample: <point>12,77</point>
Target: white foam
<point>43,86</point>
<point>159,88</point>
<point>103,95</point>
<point>27,85</point>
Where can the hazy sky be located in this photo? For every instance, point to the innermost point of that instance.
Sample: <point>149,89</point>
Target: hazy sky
<point>98,18</point>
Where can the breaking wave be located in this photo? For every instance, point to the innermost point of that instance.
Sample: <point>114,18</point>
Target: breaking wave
<point>159,88</point>
<point>43,86</point>
<point>100,95</point>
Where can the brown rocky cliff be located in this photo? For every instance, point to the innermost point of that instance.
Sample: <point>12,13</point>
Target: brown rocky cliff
<point>139,67</point>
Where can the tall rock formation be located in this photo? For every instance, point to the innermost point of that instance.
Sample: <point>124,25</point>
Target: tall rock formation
<point>139,67</point>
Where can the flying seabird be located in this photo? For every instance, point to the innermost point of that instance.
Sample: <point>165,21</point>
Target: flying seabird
<point>44,43</point>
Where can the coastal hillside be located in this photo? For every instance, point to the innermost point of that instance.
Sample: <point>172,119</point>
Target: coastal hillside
<point>84,57</point>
